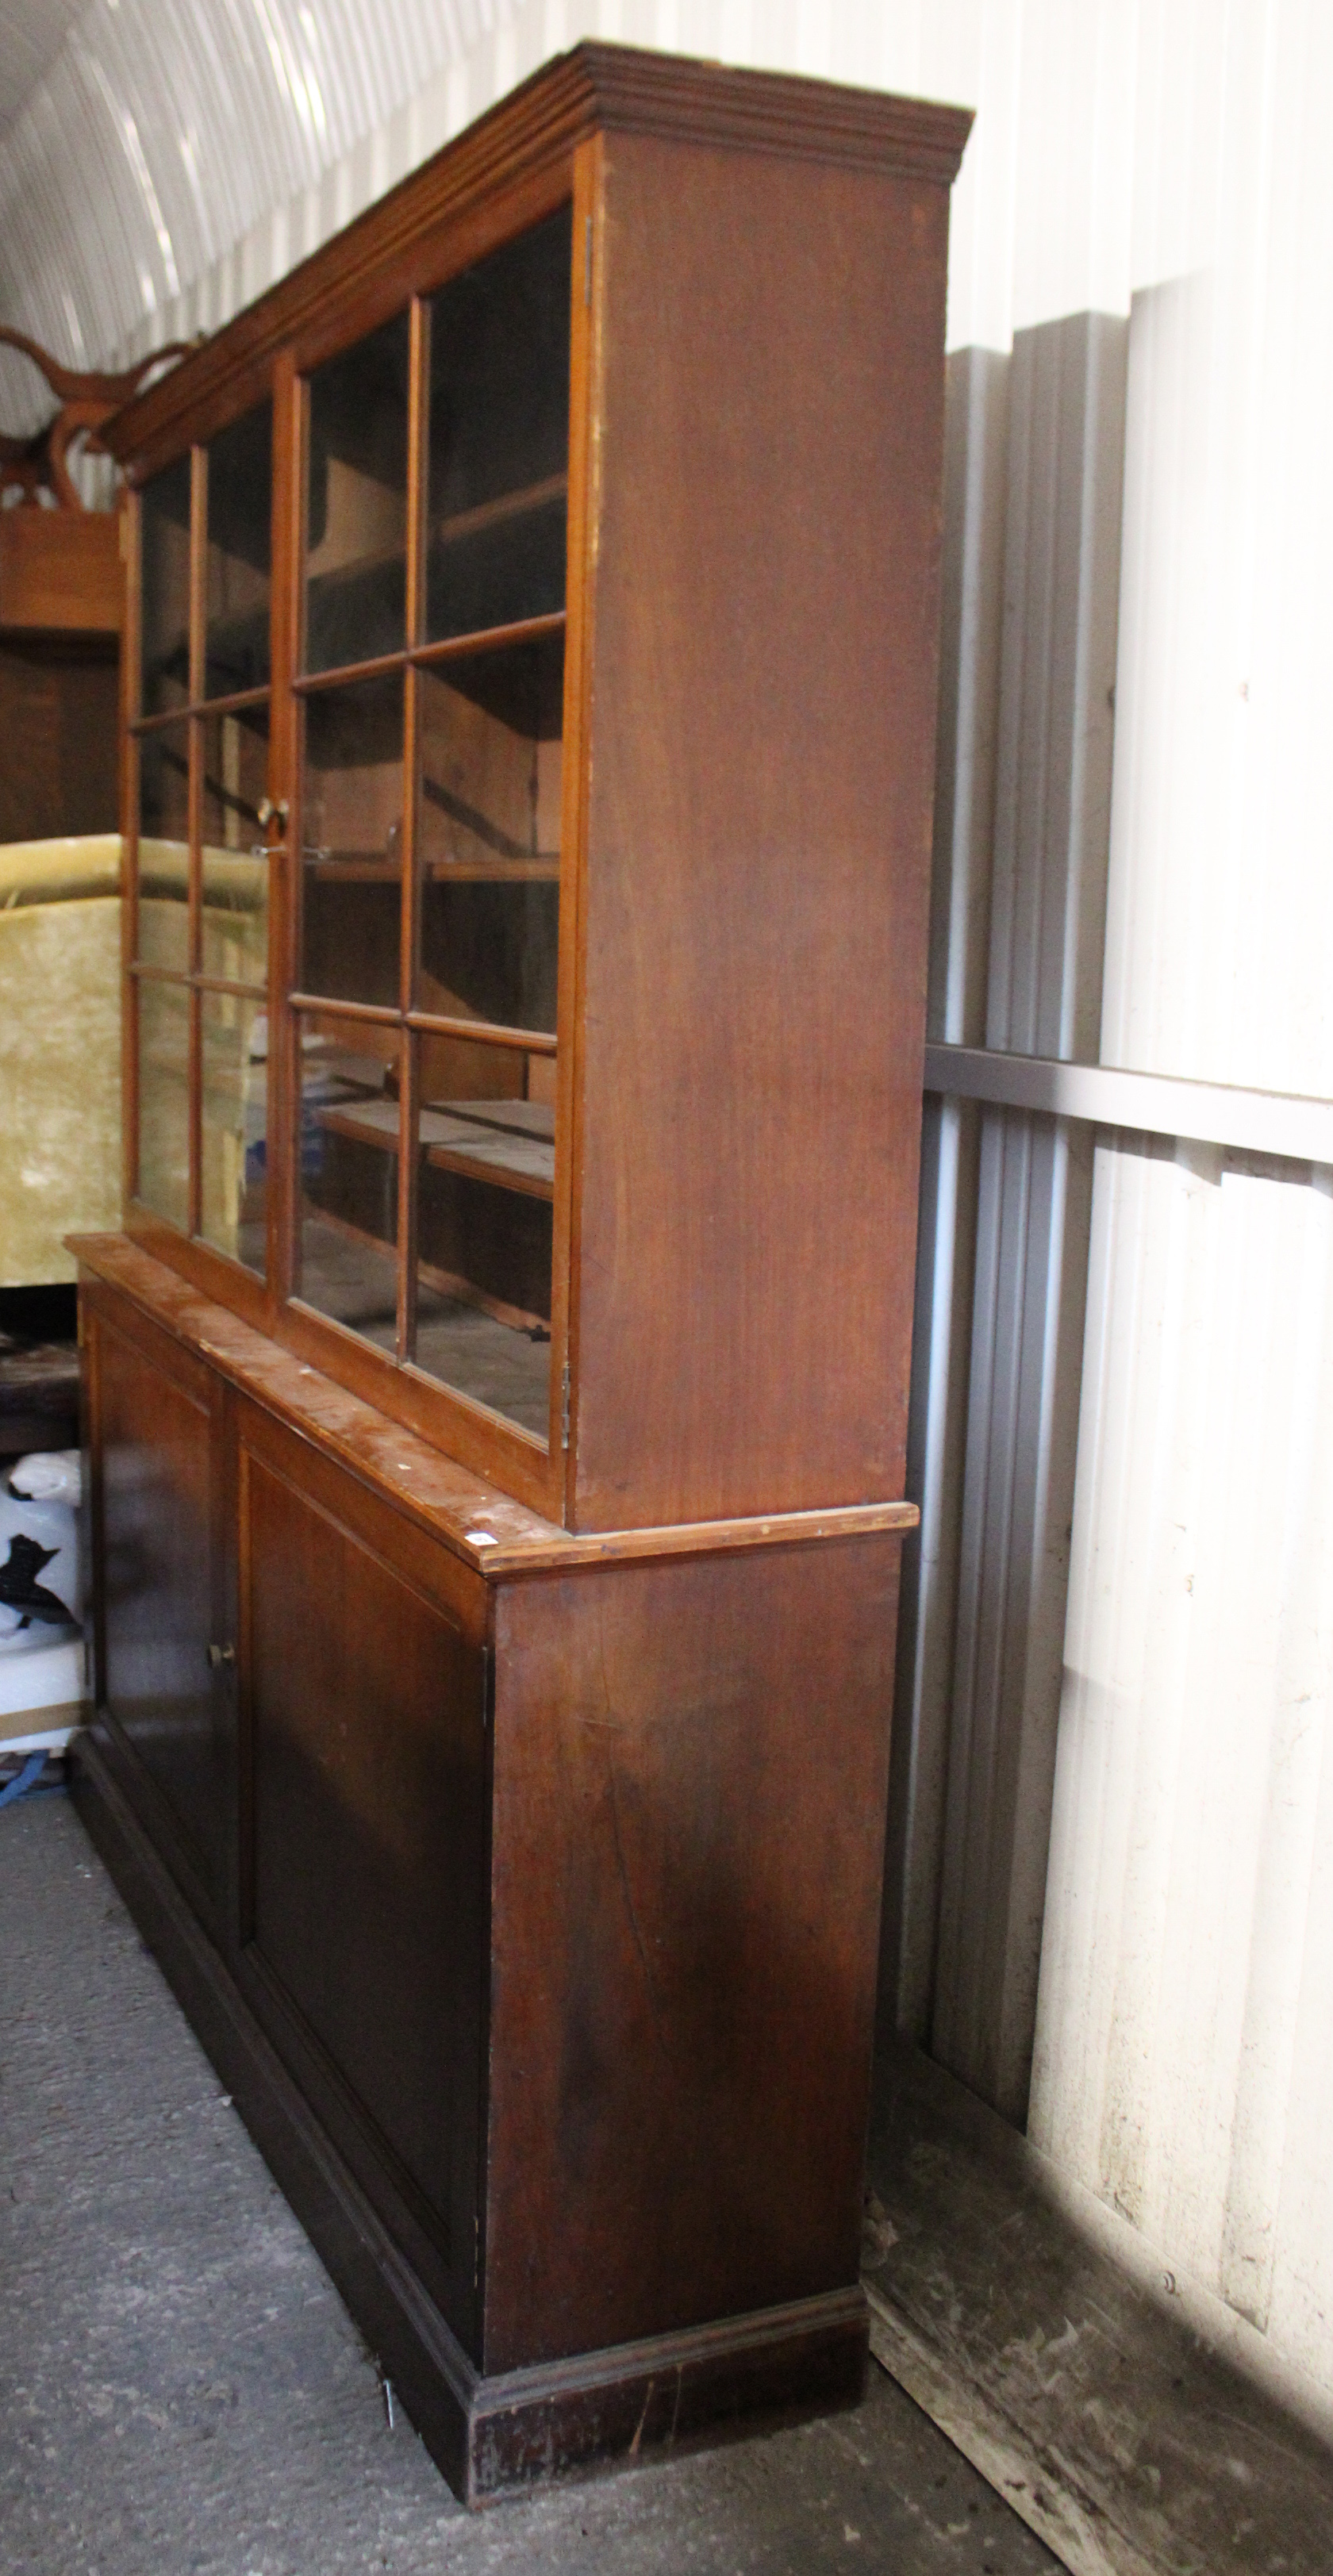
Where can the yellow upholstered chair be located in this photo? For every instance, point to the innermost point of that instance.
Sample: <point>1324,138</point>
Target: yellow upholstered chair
<point>59,1050</point>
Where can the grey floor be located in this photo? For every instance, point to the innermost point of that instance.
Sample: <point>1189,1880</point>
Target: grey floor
<point>182,2390</point>
<point>1149,2452</point>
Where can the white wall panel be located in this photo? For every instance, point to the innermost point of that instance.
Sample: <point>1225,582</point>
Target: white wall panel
<point>1183,2066</point>
<point>1194,1726</point>
<point>1221,805</point>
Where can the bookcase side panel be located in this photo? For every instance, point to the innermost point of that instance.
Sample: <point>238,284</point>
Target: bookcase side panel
<point>689,1777</point>
<point>762,714</point>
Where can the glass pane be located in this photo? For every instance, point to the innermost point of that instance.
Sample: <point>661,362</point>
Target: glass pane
<point>240,487</point>
<point>164,614</point>
<point>353,836</point>
<point>164,847</point>
<point>499,436</point>
<point>349,1176</point>
<point>485,1176</point>
<point>356,563</point>
<point>164,1099</point>
<point>234,926</point>
<point>489,834</point>
<point>233,1141</point>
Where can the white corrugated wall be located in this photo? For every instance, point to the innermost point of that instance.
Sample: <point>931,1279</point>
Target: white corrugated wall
<point>1110,1884</point>
<point>1184,2060</point>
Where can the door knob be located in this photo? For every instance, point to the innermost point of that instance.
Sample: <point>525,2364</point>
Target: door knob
<point>221,1655</point>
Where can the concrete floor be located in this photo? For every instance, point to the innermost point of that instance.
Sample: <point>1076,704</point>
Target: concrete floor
<point>183,2394</point>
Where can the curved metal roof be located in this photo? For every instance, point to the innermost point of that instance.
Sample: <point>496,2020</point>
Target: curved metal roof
<point>31,35</point>
<point>155,133</point>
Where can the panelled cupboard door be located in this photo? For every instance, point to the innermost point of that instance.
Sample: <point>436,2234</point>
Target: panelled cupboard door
<point>363,1799</point>
<point>155,1416</point>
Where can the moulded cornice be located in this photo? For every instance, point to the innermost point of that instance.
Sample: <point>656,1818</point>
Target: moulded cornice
<point>594,88</point>
<point>646,93</point>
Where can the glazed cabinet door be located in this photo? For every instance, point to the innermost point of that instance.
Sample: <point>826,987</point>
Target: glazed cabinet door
<point>155,1416</point>
<point>197,833</point>
<point>364,1757</point>
<point>428,803</point>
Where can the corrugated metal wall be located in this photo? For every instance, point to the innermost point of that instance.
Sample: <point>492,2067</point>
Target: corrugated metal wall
<point>1110,1875</point>
<point>1033,510</point>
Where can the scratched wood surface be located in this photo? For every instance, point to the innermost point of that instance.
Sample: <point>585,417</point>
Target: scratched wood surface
<point>478,1521</point>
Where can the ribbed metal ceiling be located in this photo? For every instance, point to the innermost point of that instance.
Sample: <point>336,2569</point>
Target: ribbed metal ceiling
<point>145,137</point>
<point>31,35</point>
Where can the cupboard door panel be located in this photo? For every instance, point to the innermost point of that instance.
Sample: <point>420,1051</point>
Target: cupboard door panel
<point>364,1715</point>
<point>156,1413</point>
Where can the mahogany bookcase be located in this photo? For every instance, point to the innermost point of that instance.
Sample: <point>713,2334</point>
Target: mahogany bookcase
<point>496,1399</point>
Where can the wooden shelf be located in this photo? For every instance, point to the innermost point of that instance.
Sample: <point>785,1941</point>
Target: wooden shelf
<point>493,514</point>
<point>355,568</point>
<point>509,509</point>
<point>364,868</point>
<point>533,1118</point>
<point>530,1169</point>
<point>353,867</point>
<point>544,869</point>
<point>365,1122</point>
<point>510,1144</point>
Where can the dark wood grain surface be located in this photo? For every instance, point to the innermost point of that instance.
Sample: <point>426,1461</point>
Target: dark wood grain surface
<point>690,1765</point>
<point>155,1415</point>
<point>535,1831</point>
<point>61,570</point>
<point>58,726</point>
<point>755,403</point>
<point>363,1834</point>
<point>757,864</point>
<point>512,2428</point>
<point>549,1995</point>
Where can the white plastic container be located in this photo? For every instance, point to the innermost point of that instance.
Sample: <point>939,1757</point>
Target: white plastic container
<point>41,1636</point>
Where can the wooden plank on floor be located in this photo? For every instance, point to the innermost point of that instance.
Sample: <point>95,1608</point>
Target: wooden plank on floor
<point>1108,2401</point>
<point>1071,2526</point>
